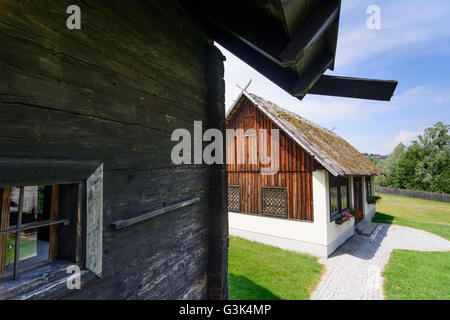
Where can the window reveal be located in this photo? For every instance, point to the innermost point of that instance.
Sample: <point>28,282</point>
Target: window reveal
<point>369,190</point>
<point>334,199</point>
<point>344,197</point>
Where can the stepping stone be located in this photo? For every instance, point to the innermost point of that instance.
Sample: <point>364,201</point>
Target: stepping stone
<point>366,228</point>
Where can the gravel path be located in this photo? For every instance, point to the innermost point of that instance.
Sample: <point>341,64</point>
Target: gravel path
<point>353,272</point>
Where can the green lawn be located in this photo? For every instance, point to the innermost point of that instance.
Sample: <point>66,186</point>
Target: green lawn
<point>413,275</point>
<point>431,216</point>
<point>27,248</point>
<point>258,271</point>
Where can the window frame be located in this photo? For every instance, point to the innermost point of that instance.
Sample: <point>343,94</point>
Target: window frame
<point>53,222</point>
<point>88,175</point>
<point>338,182</point>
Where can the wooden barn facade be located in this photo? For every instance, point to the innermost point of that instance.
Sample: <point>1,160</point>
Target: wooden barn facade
<point>87,111</point>
<point>291,185</point>
<point>313,177</point>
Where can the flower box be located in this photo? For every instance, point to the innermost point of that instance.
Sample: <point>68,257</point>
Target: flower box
<point>345,216</point>
<point>373,199</point>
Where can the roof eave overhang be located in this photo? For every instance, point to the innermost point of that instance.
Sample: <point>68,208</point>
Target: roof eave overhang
<point>294,56</point>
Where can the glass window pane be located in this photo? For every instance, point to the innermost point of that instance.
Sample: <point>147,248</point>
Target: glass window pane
<point>30,204</point>
<point>344,197</point>
<point>333,200</point>
<point>33,250</point>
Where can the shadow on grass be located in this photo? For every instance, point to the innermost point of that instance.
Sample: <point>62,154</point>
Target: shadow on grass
<point>439,229</point>
<point>242,288</point>
<point>383,218</point>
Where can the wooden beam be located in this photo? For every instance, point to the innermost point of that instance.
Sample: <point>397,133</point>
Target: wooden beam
<point>312,74</point>
<point>261,61</point>
<point>355,88</point>
<point>317,24</point>
<point>124,223</point>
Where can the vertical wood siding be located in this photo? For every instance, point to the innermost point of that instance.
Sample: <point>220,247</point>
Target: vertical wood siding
<point>295,166</point>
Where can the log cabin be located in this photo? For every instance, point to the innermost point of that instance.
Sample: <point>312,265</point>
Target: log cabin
<point>318,175</point>
<point>86,116</point>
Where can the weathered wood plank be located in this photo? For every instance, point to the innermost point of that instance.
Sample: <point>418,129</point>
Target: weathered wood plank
<point>94,222</point>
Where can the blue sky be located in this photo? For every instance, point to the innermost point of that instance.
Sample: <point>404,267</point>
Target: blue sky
<point>413,47</point>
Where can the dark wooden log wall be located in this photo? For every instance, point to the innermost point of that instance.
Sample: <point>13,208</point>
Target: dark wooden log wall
<point>218,217</point>
<point>295,167</point>
<point>114,91</point>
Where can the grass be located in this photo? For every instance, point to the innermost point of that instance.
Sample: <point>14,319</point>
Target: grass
<point>413,275</point>
<point>27,248</point>
<point>427,215</point>
<point>261,272</point>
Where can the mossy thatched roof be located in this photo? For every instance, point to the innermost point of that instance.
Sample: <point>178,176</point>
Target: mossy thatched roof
<point>330,150</point>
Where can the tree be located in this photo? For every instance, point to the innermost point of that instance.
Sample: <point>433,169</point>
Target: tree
<point>425,165</point>
<point>389,165</point>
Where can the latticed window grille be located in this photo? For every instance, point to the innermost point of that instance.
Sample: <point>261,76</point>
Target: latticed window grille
<point>234,198</point>
<point>274,201</point>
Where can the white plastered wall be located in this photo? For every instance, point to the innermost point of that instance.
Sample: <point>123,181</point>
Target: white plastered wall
<point>338,234</point>
<point>369,209</point>
<point>319,238</point>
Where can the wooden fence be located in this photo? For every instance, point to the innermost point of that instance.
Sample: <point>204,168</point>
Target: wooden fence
<point>415,194</point>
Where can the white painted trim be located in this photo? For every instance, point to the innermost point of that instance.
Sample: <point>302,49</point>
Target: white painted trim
<point>318,250</point>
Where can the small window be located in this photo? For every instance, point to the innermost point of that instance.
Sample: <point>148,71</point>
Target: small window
<point>32,223</point>
<point>339,196</point>
<point>274,201</point>
<point>234,198</point>
<point>51,217</point>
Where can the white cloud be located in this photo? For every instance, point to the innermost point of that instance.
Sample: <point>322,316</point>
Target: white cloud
<point>405,137</point>
<point>410,28</point>
<point>407,27</point>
